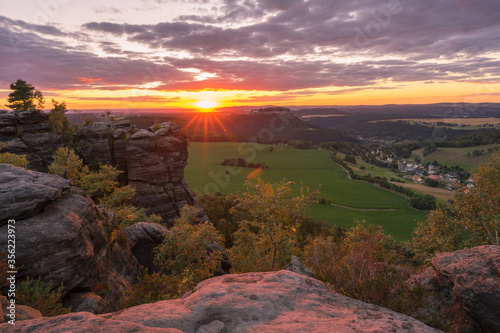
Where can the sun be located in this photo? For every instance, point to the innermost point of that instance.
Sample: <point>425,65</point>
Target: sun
<point>205,104</point>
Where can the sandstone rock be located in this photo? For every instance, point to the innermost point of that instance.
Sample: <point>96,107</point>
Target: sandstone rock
<point>254,302</point>
<point>143,238</point>
<point>80,322</point>
<point>29,133</point>
<point>24,193</point>
<point>296,266</point>
<point>151,162</point>
<point>466,289</point>
<point>95,143</point>
<point>22,312</point>
<point>62,237</point>
<point>85,301</point>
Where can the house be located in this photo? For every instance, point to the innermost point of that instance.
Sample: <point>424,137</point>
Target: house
<point>417,179</point>
<point>434,177</point>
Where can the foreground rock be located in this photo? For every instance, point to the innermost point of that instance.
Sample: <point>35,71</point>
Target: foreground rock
<point>254,302</point>
<point>466,289</point>
<point>62,237</point>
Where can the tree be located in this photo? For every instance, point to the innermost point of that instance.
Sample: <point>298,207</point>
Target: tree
<point>57,117</point>
<point>350,159</point>
<point>472,219</point>
<point>183,252</point>
<point>267,237</point>
<point>24,96</point>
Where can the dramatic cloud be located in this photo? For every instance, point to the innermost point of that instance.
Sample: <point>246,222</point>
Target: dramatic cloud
<point>271,45</point>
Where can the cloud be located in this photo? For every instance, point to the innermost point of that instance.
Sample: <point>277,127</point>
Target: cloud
<point>106,10</point>
<point>275,45</point>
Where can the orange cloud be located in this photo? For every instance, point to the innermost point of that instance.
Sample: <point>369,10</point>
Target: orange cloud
<point>88,80</point>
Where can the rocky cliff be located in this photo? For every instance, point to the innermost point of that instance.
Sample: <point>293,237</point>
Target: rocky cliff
<point>61,236</point>
<point>253,302</point>
<point>29,133</point>
<point>152,162</point>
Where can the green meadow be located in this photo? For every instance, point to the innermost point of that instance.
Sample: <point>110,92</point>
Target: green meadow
<point>350,199</point>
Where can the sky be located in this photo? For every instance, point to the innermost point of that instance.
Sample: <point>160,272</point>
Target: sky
<point>138,54</point>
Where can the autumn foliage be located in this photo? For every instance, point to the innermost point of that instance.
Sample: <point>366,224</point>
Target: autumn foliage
<point>267,237</point>
<point>472,219</point>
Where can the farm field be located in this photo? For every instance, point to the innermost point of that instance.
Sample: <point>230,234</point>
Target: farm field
<point>457,156</point>
<point>440,193</point>
<point>353,199</point>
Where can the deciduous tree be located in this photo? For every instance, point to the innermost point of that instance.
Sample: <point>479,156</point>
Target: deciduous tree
<point>267,237</point>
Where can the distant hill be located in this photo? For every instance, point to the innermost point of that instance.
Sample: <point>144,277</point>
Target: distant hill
<point>263,127</point>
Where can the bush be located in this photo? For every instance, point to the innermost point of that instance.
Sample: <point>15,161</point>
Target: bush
<point>184,254</point>
<point>367,265</point>
<point>423,202</point>
<point>16,160</point>
<point>34,293</point>
<point>151,288</point>
<point>350,159</point>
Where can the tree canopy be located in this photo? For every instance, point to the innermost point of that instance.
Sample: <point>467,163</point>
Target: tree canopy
<point>24,96</point>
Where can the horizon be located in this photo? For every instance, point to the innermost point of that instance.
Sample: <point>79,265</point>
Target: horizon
<point>218,54</point>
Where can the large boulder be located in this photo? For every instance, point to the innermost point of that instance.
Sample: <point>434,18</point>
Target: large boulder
<point>253,302</point>
<point>61,236</point>
<point>20,312</point>
<point>24,193</point>
<point>465,287</point>
<point>143,238</point>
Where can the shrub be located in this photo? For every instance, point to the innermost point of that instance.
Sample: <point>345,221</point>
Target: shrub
<point>34,293</point>
<point>16,160</point>
<point>183,252</point>
<point>367,265</point>
<point>151,288</point>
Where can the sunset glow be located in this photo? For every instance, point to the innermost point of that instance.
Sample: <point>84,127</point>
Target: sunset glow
<point>206,105</point>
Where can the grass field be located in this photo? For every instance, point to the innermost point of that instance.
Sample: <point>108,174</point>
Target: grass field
<point>457,156</point>
<point>354,200</point>
<point>371,169</point>
<point>440,193</point>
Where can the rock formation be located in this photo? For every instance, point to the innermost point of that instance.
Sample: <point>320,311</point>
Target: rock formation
<point>152,162</point>
<point>466,289</point>
<point>253,302</point>
<point>61,235</point>
<point>29,133</point>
